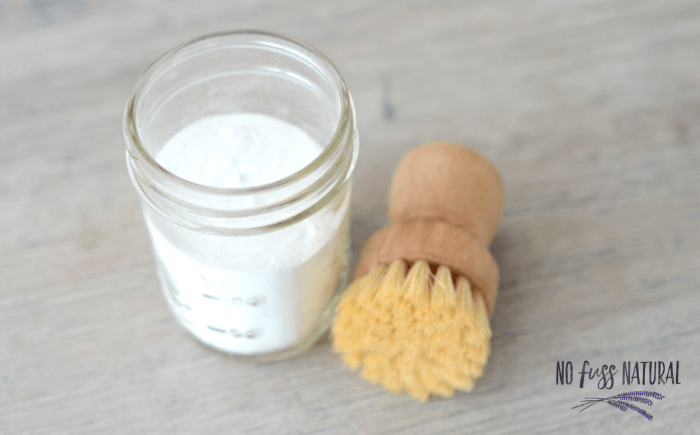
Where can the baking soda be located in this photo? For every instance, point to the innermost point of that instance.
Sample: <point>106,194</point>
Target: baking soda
<point>240,150</point>
<point>249,294</point>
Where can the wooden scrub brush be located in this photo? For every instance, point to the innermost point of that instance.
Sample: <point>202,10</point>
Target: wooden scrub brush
<point>416,318</point>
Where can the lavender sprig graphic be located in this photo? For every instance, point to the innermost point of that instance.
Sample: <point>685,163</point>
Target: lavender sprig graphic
<point>639,399</point>
<point>641,411</point>
<point>653,394</point>
<point>617,405</point>
<point>622,401</point>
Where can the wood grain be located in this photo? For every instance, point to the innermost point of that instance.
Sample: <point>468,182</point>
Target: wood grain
<point>590,110</point>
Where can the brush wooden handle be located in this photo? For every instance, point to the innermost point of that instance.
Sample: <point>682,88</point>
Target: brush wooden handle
<point>445,208</point>
<point>451,183</point>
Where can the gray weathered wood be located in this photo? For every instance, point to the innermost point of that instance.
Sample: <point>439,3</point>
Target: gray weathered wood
<point>591,110</point>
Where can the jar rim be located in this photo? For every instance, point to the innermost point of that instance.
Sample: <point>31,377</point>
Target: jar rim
<point>134,144</point>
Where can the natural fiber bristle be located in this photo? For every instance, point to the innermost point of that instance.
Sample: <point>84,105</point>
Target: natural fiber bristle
<point>414,332</point>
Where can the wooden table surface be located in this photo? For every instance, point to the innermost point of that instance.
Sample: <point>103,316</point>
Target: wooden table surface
<point>590,109</point>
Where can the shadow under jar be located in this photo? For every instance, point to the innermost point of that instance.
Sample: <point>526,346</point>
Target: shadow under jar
<point>253,270</point>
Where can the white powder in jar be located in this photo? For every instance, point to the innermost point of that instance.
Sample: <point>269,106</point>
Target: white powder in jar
<point>238,150</point>
<point>274,286</point>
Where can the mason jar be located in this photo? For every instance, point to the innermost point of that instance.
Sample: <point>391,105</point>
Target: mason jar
<point>251,271</point>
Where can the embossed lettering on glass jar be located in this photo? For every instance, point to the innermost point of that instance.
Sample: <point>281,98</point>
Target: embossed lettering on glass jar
<point>253,271</point>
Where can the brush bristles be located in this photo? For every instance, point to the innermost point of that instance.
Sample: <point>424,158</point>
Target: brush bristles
<point>416,332</point>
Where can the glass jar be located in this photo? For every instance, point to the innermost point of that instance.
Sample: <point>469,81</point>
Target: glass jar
<point>250,271</point>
